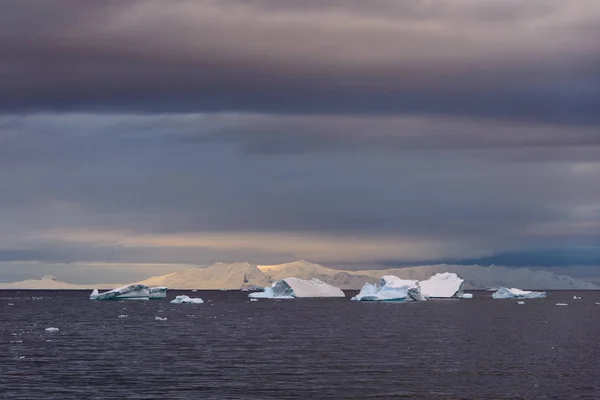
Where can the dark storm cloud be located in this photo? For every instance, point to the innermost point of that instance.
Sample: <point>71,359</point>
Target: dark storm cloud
<point>535,61</point>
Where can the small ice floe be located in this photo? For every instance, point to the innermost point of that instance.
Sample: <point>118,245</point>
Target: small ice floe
<point>21,357</point>
<point>160,319</point>
<point>520,302</point>
<point>194,290</point>
<point>123,316</point>
<point>513,293</point>
<point>185,299</point>
<point>576,298</point>
<point>253,299</point>
<point>52,329</point>
<point>561,304</point>
<point>597,303</point>
<point>465,296</point>
<point>11,304</point>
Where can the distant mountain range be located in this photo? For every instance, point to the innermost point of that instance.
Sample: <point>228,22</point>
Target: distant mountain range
<point>238,275</point>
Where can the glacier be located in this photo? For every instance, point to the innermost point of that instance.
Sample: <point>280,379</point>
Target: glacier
<point>129,292</point>
<point>443,285</point>
<point>183,299</point>
<point>513,293</point>
<point>291,288</point>
<point>158,293</point>
<point>391,288</point>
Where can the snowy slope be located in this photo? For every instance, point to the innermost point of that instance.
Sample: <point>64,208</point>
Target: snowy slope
<point>49,282</point>
<point>217,276</point>
<point>307,270</point>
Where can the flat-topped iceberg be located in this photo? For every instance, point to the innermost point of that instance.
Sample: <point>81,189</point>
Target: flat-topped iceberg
<point>513,293</point>
<point>183,299</point>
<point>290,288</point>
<point>129,292</point>
<point>157,293</point>
<point>391,288</point>
<point>443,285</point>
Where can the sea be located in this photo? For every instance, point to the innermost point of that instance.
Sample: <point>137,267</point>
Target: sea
<point>230,348</point>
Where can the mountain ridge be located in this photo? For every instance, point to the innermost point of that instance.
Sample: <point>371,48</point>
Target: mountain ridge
<point>243,274</point>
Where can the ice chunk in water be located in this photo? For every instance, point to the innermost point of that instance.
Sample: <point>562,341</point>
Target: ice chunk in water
<point>513,293</point>
<point>442,285</point>
<point>129,292</point>
<point>160,319</point>
<point>185,299</point>
<point>52,329</point>
<point>157,293</point>
<point>290,288</point>
<point>391,288</point>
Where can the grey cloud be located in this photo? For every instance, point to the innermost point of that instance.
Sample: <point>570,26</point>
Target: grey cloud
<point>534,61</point>
<point>105,174</point>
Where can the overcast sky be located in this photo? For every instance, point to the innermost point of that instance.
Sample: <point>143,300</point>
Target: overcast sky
<point>140,137</point>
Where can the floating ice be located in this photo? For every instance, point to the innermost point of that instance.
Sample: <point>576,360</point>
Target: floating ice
<point>442,285</point>
<point>520,302</point>
<point>391,288</point>
<point>194,290</point>
<point>576,298</point>
<point>52,329</point>
<point>130,292</point>
<point>465,296</point>
<point>253,299</point>
<point>185,299</point>
<point>561,304</point>
<point>123,316</point>
<point>505,293</point>
<point>157,293</point>
<point>160,319</point>
<point>290,288</point>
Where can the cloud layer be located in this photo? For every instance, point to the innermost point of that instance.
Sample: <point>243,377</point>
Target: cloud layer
<point>359,134</point>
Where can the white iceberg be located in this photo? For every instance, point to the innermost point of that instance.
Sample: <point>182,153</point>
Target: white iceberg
<point>158,293</point>
<point>391,288</point>
<point>130,292</point>
<point>52,329</point>
<point>513,293</point>
<point>520,302</point>
<point>465,296</point>
<point>443,285</point>
<point>160,318</point>
<point>291,288</point>
<point>183,299</point>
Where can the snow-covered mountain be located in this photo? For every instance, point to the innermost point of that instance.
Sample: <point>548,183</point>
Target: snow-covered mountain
<point>49,282</point>
<point>238,275</point>
<point>217,276</point>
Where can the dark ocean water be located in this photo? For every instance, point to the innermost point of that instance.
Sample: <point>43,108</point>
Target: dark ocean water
<point>229,348</point>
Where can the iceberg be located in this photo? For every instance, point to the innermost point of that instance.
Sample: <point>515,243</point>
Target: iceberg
<point>158,293</point>
<point>465,296</point>
<point>183,299</point>
<point>505,293</point>
<point>391,288</point>
<point>51,329</point>
<point>130,292</point>
<point>291,288</point>
<point>442,285</point>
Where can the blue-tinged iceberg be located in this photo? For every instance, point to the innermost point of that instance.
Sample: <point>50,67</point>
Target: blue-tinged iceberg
<point>506,293</point>
<point>443,285</point>
<point>130,292</point>
<point>291,288</point>
<point>391,288</point>
<point>183,299</point>
<point>158,293</point>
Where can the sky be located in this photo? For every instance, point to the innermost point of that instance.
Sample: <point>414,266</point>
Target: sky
<point>142,137</point>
